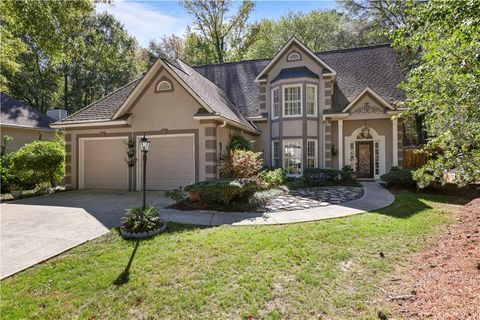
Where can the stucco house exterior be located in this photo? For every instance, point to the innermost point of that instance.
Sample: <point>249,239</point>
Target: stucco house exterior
<point>301,109</point>
<point>23,123</point>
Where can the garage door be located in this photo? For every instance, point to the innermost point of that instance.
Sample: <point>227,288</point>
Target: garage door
<point>104,165</point>
<point>170,162</point>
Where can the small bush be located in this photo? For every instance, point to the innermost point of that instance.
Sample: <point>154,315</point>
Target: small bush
<point>399,178</point>
<point>261,198</point>
<point>178,195</point>
<point>348,174</point>
<point>314,175</point>
<point>138,219</point>
<point>240,164</point>
<point>39,161</point>
<point>272,178</point>
<point>223,191</point>
<point>239,142</point>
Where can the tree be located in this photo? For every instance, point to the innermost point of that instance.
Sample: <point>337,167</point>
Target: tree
<point>70,57</point>
<point>215,28</point>
<point>39,162</point>
<point>445,86</point>
<point>318,30</point>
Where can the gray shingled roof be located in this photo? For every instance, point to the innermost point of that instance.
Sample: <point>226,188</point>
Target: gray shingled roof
<point>104,108</point>
<point>233,93</point>
<point>17,113</point>
<point>297,72</point>
<point>376,67</point>
<point>215,98</point>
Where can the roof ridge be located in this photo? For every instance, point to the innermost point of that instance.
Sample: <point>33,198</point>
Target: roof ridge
<point>104,97</point>
<point>317,52</point>
<point>355,48</point>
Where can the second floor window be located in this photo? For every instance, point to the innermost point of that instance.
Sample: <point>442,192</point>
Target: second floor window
<point>275,103</point>
<point>292,100</point>
<point>311,100</point>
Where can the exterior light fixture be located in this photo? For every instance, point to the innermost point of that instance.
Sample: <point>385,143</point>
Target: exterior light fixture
<point>144,146</point>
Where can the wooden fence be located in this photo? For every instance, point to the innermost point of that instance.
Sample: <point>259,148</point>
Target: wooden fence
<point>413,159</point>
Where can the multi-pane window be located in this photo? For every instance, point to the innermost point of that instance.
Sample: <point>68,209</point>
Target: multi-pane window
<point>275,103</point>
<point>292,100</point>
<point>311,100</point>
<point>311,153</point>
<point>292,157</point>
<point>276,154</point>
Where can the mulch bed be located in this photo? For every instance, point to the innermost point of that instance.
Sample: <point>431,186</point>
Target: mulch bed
<point>444,282</point>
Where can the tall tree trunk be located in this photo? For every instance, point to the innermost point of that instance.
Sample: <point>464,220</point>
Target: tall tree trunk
<point>65,88</point>
<point>419,128</point>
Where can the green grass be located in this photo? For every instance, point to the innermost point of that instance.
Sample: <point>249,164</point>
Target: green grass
<point>328,269</point>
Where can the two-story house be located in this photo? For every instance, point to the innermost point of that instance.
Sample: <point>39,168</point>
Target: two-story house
<point>300,108</point>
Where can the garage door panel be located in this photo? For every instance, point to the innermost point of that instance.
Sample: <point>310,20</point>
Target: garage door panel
<point>104,164</point>
<point>170,162</point>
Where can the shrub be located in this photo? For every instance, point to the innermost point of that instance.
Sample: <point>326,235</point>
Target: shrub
<point>239,142</point>
<point>348,174</point>
<point>39,161</point>
<point>313,175</point>
<point>261,198</point>
<point>178,195</point>
<point>240,164</point>
<point>223,191</point>
<point>272,178</point>
<point>138,219</point>
<point>399,178</point>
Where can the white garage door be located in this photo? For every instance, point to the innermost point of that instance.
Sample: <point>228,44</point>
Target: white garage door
<point>104,165</point>
<point>170,162</point>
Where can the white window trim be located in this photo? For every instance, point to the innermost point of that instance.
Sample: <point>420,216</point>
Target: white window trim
<point>271,103</point>
<point>170,88</point>
<point>301,100</point>
<point>294,56</point>
<point>273,152</point>
<point>315,141</point>
<point>299,141</point>
<point>315,104</point>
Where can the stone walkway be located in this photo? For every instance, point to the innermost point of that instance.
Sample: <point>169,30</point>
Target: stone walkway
<point>374,197</point>
<point>307,198</point>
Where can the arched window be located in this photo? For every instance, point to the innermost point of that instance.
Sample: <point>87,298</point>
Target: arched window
<point>164,85</point>
<point>294,56</point>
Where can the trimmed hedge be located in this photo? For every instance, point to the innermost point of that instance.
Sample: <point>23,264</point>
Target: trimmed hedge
<point>312,175</point>
<point>223,191</point>
<point>399,178</point>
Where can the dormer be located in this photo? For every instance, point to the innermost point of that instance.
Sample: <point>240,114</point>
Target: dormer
<point>295,57</point>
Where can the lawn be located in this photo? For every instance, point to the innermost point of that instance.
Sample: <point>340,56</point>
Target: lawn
<point>329,269</point>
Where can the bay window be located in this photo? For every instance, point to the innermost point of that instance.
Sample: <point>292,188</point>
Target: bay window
<point>292,100</point>
<point>311,98</point>
<point>292,157</point>
<point>275,103</point>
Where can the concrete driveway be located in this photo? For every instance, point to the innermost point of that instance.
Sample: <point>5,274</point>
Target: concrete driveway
<point>36,229</point>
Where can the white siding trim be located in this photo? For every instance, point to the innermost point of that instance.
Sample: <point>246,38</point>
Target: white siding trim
<point>340,144</point>
<point>395,142</point>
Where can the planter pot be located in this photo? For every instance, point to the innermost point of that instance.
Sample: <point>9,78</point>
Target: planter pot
<point>143,235</point>
<point>194,196</point>
<point>16,193</point>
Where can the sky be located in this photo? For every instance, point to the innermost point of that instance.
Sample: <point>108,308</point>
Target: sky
<point>153,19</point>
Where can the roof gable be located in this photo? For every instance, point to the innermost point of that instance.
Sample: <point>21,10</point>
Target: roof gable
<point>354,107</point>
<point>293,42</point>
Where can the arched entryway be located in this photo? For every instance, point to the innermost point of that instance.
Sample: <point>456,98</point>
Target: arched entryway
<point>365,152</point>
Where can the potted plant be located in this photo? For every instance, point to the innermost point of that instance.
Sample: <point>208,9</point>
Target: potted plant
<point>141,223</point>
<point>15,191</point>
<point>193,192</point>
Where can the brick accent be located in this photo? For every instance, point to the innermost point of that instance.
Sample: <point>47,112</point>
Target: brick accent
<point>211,169</point>
<point>211,156</point>
<point>210,131</point>
<point>211,144</point>
<point>68,148</point>
<point>263,89</point>
<point>68,169</point>
<point>263,105</point>
<point>68,180</point>
<point>68,158</point>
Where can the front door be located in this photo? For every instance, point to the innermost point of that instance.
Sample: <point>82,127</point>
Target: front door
<point>365,159</point>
